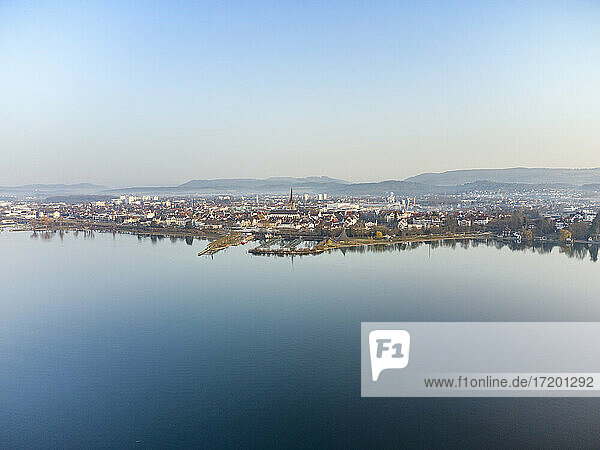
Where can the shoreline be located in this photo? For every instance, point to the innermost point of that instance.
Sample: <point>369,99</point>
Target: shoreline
<point>220,239</point>
<point>328,244</point>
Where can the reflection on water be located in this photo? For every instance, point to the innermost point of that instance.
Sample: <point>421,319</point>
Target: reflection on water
<point>577,251</point>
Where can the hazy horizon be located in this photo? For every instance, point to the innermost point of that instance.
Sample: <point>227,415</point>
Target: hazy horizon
<point>139,94</point>
<point>127,185</point>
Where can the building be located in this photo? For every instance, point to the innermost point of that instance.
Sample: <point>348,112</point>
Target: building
<point>292,203</point>
<point>285,215</point>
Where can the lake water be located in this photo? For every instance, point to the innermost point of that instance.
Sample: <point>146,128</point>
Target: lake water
<point>120,341</point>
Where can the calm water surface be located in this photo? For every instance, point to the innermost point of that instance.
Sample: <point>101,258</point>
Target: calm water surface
<point>117,341</point>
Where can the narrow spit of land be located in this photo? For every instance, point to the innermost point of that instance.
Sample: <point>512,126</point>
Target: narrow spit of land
<point>331,244</point>
<point>230,240</point>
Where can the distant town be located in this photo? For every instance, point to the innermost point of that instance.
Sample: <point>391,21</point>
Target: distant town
<point>308,223</point>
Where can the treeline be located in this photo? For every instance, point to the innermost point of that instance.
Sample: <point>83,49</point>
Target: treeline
<point>530,223</point>
<point>449,226</point>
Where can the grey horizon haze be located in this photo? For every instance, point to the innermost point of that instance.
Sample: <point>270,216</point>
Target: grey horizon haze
<point>159,94</point>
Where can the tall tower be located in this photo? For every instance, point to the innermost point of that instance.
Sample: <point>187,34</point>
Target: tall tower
<point>291,203</point>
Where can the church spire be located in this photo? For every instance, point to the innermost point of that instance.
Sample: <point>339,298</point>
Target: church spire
<point>292,203</point>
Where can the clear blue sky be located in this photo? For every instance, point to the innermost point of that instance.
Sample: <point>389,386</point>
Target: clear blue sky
<point>125,93</point>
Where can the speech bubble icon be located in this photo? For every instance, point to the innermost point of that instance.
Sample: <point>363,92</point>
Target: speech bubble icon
<point>389,349</point>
